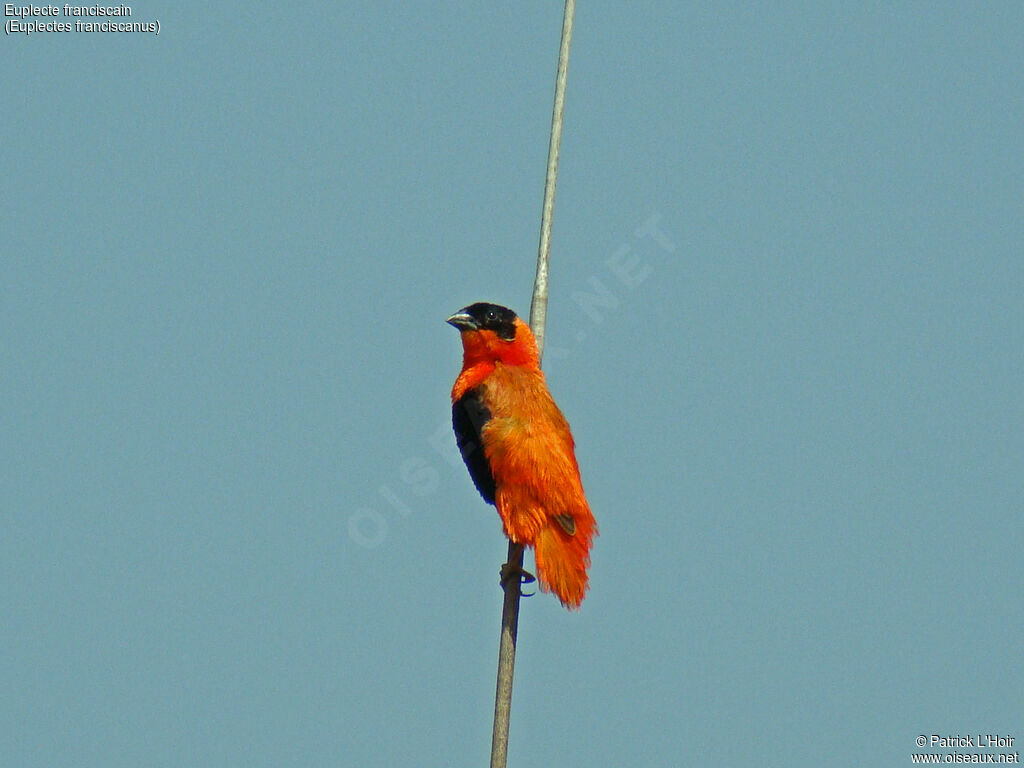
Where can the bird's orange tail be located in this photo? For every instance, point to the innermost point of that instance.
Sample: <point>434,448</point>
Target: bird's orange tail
<point>563,559</point>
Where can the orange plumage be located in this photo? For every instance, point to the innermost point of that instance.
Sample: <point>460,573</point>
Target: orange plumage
<point>518,447</point>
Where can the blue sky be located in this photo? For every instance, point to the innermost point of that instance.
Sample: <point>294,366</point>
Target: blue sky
<point>786,324</point>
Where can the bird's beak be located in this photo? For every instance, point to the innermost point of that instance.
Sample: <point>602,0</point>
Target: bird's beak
<point>463,321</point>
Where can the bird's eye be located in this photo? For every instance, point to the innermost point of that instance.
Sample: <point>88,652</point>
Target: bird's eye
<point>492,315</point>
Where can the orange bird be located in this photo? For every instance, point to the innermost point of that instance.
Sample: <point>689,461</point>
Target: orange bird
<point>518,448</point>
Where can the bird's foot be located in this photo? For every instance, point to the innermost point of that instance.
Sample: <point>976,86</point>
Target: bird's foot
<point>511,572</point>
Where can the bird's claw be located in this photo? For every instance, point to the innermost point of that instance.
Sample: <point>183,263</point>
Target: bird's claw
<point>510,572</point>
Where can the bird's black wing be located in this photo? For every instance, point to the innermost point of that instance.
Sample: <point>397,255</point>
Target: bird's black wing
<point>469,414</point>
